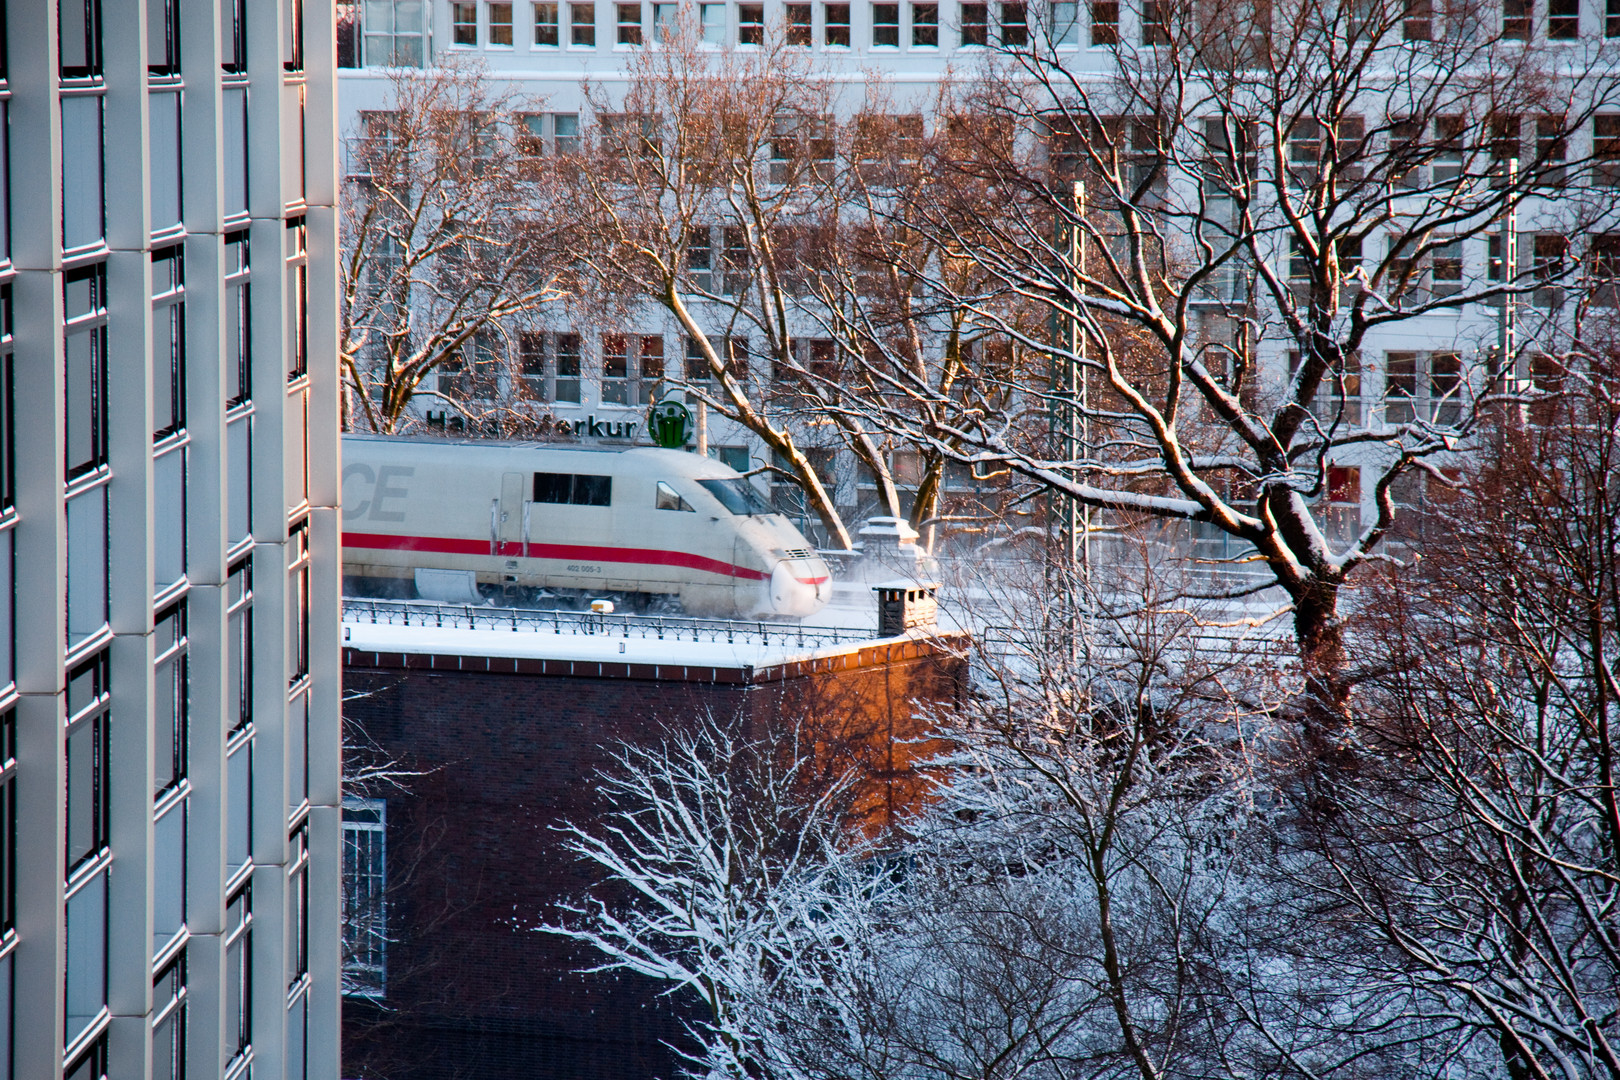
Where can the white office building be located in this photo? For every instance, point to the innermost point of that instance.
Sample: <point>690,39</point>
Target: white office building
<point>169,684</point>
<point>551,49</point>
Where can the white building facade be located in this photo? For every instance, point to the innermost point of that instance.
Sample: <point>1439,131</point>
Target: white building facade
<point>551,50</point>
<point>169,684</point>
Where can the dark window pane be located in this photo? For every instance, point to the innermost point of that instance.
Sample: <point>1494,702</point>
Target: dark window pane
<point>593,490</point>
<point>553,487</point>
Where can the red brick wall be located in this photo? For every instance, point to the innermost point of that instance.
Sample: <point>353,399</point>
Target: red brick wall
<point>474,862</point>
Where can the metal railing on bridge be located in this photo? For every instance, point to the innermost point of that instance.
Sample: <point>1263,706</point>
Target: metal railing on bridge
<point>434,615</point>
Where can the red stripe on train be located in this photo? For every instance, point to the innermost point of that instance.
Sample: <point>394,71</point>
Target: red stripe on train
<point>574,552</point>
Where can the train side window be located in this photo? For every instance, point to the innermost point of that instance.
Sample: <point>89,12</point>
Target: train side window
<point>670,499</point>
<point>593,490</point>
<point>552,487</point>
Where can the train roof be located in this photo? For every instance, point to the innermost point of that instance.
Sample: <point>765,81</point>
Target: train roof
<point>627,457</point>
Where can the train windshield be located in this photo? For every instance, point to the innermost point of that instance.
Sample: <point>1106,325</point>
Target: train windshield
<point>738,496</point>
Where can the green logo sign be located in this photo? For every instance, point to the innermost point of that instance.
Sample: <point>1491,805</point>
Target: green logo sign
<point>670,424</point>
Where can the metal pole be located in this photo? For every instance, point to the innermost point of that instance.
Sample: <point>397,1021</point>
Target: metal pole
<point>1506,328</point>
<point>1071,432</point>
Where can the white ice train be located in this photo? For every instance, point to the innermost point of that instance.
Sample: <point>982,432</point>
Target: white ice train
<point>455,520</point>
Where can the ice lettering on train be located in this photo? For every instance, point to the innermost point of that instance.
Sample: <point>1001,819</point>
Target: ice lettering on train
<point>382,487</point>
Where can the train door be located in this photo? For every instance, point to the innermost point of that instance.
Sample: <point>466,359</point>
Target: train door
<point>509,522</point>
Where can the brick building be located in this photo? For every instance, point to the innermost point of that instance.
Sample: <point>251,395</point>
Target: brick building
<point>513,725</point>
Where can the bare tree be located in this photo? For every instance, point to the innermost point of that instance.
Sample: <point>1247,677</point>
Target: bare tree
<point>704,837</point>
<point>741,194</point>
<point>1219,224</point>
<point>1476,845</point>
<point>448,239</point>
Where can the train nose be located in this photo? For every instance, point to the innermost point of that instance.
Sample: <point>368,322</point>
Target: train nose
<point>800,587</point>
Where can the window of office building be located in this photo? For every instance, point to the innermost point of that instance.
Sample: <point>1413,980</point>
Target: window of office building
<point>1155,30</point>
<point>78,24</point>
<point>85,344</point>
<point>238,982</point>
<point>1516,19</point>
<point>1338,392</point>
<point>396,33</point>
<point>171,698</point>
<point>799,30</point>
<point>365,883</point>
<point>975,25</point>
<point>663,22</point>
<point>1104,22</point>
<point>233,36</point>
<point>545,26</point>
<point>90,1063</point>
<point>885,26</point>
<point>700,258</point>
<point>1065,23</point>
<point>582,25</point>
<point>292,36</point>
<point>733,353</point>
<point>87,741</point>
<point>238,368</point>
<point>1014,28</point>
<point>1446,268</point>
<point>531,382</point>
<point>464,24</point>
<point>87,856</point>
<point>628,18</point>
<point>239,476</point>
<point>751,24</point>
<point>239,646</point>
<point>169,1021</point>
<point>1563,20</point>
<point>297,257</point>
<point>298,905</point>
<point>500,23</point>
<point>168,341</point>
<point>1606,149</point>
<point>5,174</point>
<point>8,489</point>
<point>1611,19</point>
<point>712,23</point>
<point>298,602</point>
<point>8,883</point>
<point>925,25</point>
<point>569,358</point>
<point>736,262</point>
<point>632,366</point>
<point>1422,386</point>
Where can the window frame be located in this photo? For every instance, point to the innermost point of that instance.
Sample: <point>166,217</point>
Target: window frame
<point>172,302</point>
<point>539,24</point>
<point>94,324</point>
<point>628,33</point>
<point>366,978</point>
<point>886,33</point>
<point>493,28</point>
